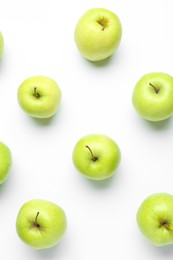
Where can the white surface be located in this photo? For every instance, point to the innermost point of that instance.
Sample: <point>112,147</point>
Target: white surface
<point>96,98</point>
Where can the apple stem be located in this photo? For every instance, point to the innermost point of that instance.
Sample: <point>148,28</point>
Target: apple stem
<point>156,89</point>
<point>36,94</point>
<point>167,227</point>
<point>35,221</point>
<point>94,158</point>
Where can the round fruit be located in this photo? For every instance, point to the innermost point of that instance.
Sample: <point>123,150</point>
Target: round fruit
<point>1,44</point>
<point>5,162</point>
<point>98,34</point>
<point>39,96</point>
<point>96,156</point>
<point>153,96</point>
<point>41,223</point>
<point>155,218</point>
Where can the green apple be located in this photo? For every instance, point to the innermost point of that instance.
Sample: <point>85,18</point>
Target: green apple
<point>1,44</point>
<point>39,96</point>
<point>41,223</point>
<point>98,33</point>
<point>153,96</point>
<point>5,162</point>
<point>155,218</point>
<point>96,156</point>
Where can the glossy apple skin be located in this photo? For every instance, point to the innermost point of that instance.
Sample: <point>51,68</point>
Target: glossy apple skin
<point>48,102</point>
<point>1,44</point>
<point>94,41</point>
<point>5,162</point>
<point>104,148</point>
<point>154,211</point>
<point>149,104</point>
<point>52,221</point>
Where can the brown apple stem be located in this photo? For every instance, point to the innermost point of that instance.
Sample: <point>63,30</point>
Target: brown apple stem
<point>93,158</point>
<point>155,89</point>
<point>35,221</point>
<point>167,227</point>
<point>36,94</point>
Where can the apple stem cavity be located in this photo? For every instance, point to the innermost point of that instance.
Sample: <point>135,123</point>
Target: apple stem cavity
<point>165,224</point>
<point>103,22</point>
<point>155,89</point>
<point>36,94</point>
<point>93,158</point>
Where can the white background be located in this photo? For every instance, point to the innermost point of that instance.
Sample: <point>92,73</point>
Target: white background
<point>101,215</point>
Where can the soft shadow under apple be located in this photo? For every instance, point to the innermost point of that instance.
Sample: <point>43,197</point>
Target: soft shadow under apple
<point>50,253</point>
<point>103,184</point>
<point>4,186</point>
<point>160,125</point>
<point>101,63</point>
<point>46,121</point>
<point>161,252</point>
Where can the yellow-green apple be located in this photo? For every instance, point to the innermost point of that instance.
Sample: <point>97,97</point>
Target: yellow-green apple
<point>153,96</point>
<point>1,44</point>
<point>98,33</point>
<point>41,223</point>
<point>5,162</point>
<point>96,156</point>
<point>155,218</point>
<point>39,96</point>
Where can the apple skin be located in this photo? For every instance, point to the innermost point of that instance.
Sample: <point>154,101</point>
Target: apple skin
<point>101,161</point>
<point>153,96</point>
<point>1,44</point>
<point>45,231</point>
<point>97,34</point>
<point>39,96</point>
<point>5,162</point>
<point>155,218</point>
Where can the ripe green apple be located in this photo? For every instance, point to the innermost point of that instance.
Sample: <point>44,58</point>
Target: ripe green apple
<point>96,156</point>
<point>1,44</point>
<point>5,162</point>
<point>98,33</point>
<point>155,218</point>
<point>41,223</point>
<point>153,96</point>
<point>39,96</point>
